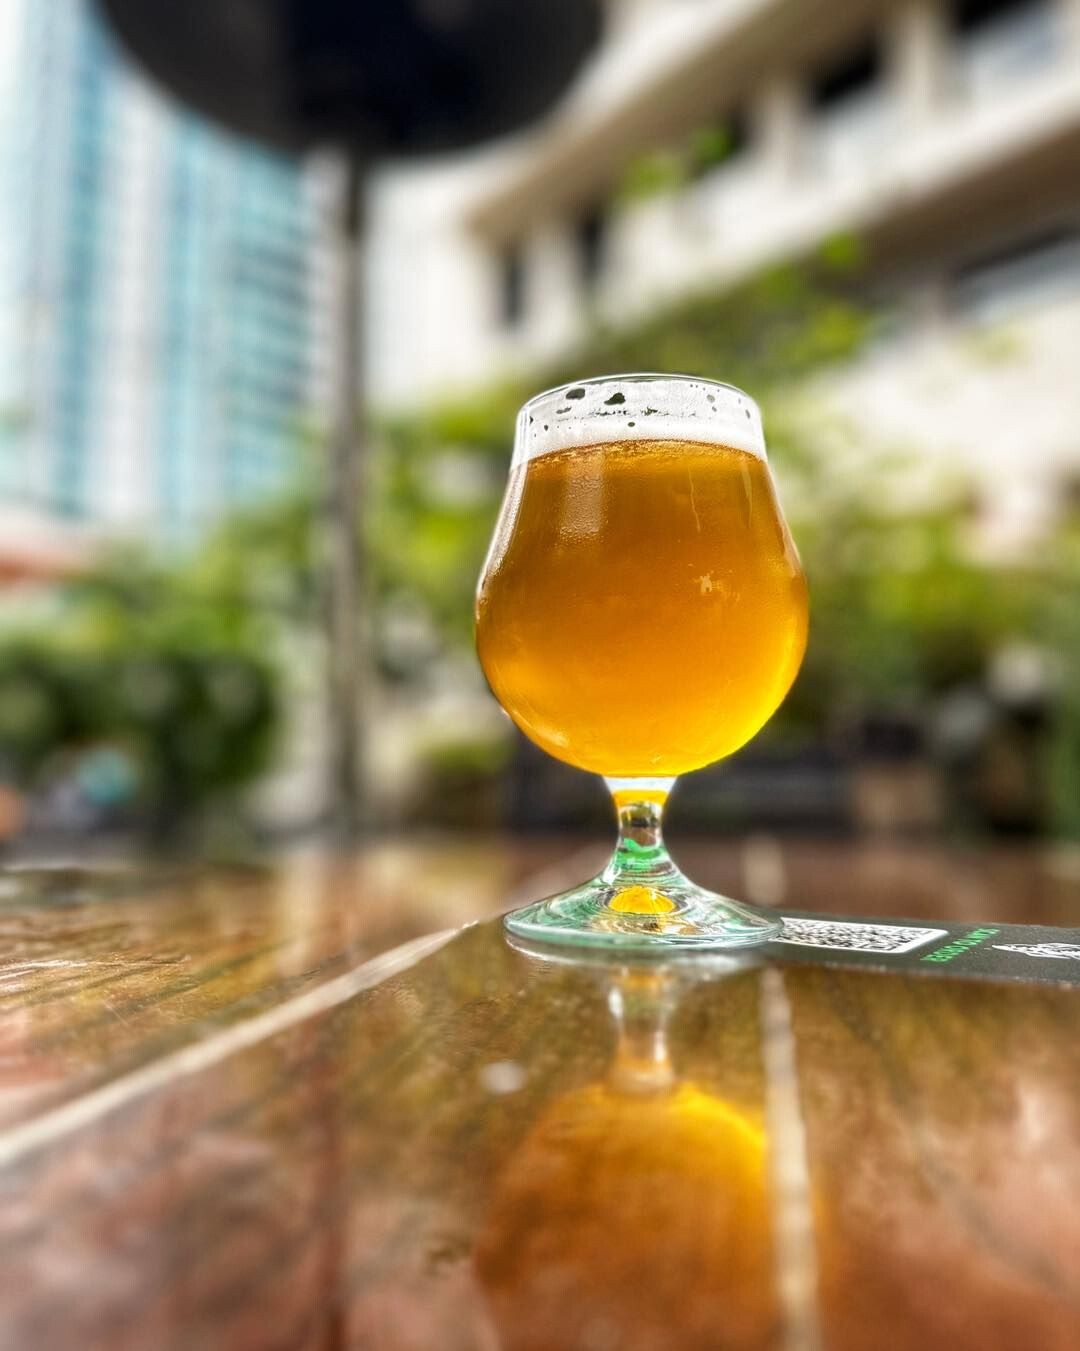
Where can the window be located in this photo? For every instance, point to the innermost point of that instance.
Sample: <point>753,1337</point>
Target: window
<point>850,111</point>
<point>512,286</point>
<point>969,16</point>
<point>852,78</point>
<point>1010,280</point>
<point>1002,40</point>
<point>591,241</point>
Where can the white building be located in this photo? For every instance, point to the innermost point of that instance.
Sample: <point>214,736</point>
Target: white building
<point>945,134</point>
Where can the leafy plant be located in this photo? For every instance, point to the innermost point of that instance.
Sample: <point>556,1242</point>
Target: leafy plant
<point>137,655</point>
<point>1057,624</point>
<point>666,169</point>
<point>653,174</point>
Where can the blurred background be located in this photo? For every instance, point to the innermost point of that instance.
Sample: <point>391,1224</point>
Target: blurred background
<point>867,214</point>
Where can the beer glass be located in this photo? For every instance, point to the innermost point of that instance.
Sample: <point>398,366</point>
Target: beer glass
<point>642,613</point>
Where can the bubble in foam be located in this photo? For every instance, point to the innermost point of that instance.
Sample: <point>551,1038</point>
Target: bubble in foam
<point>639,408</point>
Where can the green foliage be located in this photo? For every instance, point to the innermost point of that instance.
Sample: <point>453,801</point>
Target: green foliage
<point>843,252</point>
<point>666,169</point>
<point>472,756</point>
<point>1057,625</point>
<point>49,697</point>
<point>901,611</point>
<point>654,174</point>
<point>710,147</point>
<point>762,336</point>
<point>138,655</point>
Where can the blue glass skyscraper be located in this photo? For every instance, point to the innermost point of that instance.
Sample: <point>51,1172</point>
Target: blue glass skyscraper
<point>157,344</point>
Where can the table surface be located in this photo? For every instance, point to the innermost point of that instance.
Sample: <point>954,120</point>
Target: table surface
<point>230,1119</point>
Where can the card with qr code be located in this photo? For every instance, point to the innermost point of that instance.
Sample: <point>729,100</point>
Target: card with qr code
<point>856,935</point>
<point>990,951</point>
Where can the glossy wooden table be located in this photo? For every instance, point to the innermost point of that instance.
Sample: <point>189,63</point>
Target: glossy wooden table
<point>227,1123</point>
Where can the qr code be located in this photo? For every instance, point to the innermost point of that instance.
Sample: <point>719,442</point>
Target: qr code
<point>856,937</point>
<point>1069,952</point>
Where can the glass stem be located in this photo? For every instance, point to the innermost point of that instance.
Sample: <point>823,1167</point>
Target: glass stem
<point>641,857</point>
<point>641,1002</point>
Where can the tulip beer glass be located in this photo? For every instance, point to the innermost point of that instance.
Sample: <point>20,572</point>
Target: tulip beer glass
<point>642,613</point>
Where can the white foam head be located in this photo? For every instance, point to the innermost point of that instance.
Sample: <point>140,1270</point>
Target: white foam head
<point>626,408</point>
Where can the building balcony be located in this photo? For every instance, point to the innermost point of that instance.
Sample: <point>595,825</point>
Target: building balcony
<point>930,139</point>
<point>868,172</point>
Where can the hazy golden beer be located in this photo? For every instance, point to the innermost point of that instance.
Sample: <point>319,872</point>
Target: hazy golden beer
<point>642,611</point>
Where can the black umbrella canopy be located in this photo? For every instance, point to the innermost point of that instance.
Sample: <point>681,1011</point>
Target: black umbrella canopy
<point>381,76</point>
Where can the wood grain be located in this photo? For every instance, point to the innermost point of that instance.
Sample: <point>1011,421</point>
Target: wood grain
<point>103,971</point>
<point>478,1153</point>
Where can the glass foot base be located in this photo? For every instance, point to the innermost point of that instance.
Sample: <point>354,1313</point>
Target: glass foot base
<point>643,916</point>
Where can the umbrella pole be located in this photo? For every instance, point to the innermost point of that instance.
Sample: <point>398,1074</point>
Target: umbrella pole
<point>344,556</point>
